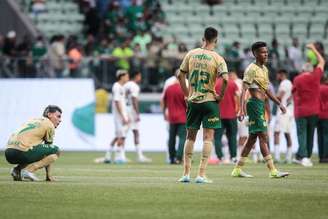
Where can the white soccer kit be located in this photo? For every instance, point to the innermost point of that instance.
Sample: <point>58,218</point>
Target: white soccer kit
<point>118,93</point>
<point>284,121</point>
<point>132,90</point>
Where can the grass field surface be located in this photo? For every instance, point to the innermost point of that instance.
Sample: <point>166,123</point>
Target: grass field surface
<point>87,190</point>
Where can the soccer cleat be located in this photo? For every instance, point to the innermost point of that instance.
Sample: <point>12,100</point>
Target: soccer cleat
<point>277,174</point>
<point>237,172</point>
<point>15,174</point>
<point>184,179</point>
<point>204,180</point>
<point>144,159</point>
<point>26,175</point>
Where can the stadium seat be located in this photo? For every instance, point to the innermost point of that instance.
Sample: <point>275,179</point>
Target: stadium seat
<point>299,30</point>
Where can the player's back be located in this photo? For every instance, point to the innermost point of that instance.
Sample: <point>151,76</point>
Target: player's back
<point>203,67</point>
<point>132,89</point>
<point>31,133</point>
<point>118,93</point>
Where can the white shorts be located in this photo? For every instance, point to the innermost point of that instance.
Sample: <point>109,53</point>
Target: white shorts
<point>134,124</point>
<point>120,129</point>
<point>283,123</point>
<point>243,127</point>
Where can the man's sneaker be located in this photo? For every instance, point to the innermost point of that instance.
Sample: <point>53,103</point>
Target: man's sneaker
<point>26,175</point>
<point>200,179</point>
<point>237,172</point>
<point>234,160</point>
<point>144,159</point>
<point>15,174</point>
<point>184,179</point>
<point>278,174</point>
<point>306,162</point>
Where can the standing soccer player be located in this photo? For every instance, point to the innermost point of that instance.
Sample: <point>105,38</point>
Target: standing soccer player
<point>202,66</point>
<point>284,120</point>
<point>132,90</point>
<point>121,119</point>
<point>256,81</point>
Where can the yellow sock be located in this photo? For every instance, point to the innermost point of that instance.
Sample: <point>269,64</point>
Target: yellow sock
<point>187,156</point>
<point>207,147</point>
<point>241,162</point>
<point>269,162</point>
<point>42,163</point>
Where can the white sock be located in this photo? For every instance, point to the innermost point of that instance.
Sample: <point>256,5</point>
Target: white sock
<point>289,154</point>
<point>239,151</point>
<point>123,153</point>
<point>276,152</point>
<point>254,155</point>
<point>108,155</point>
<point>139,151</point>
<point>118,153</point>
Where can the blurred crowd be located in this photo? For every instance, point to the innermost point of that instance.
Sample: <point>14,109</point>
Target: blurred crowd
<point>124,34</point>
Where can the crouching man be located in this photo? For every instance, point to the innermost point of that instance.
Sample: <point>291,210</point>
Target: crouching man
<point>31,146</point>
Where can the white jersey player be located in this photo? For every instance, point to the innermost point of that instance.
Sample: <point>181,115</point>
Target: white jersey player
<point>121,119</point>
<point>284,121</point>
<point>132,90</point>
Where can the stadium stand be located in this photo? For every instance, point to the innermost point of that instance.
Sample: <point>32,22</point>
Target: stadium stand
<point>248,20</point>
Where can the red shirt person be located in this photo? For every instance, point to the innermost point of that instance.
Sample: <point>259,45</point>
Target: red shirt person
<point>228,114</point>
<point>306,92</point>
<point>323,122</point>
<point>174,102</point>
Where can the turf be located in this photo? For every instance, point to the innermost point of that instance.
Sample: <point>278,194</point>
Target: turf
<point>88,190</point>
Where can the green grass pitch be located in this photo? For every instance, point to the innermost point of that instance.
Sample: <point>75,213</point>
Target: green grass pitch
<point>88,190</point>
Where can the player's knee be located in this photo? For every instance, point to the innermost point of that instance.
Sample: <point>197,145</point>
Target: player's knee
<point>56,150</point>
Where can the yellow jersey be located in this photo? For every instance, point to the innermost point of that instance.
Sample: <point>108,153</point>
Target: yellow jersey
<point>202,66</point>
<point>257,76</point>
<point>32,133</point>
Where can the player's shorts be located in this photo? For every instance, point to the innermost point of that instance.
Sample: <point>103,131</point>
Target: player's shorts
<point>120,128</point>
<point>243,127</point>
<point>34,154</point>
<point>255,112</point>
<point>206,113</point>
<point>283,122</point>
<point>134,124</point>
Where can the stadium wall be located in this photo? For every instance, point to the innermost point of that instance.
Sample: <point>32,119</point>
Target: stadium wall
<point>81,128</point>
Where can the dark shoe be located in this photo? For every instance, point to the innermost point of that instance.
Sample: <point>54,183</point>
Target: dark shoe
<point>323,160</point>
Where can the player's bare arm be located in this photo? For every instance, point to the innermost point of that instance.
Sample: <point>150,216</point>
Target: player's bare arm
<point>182,80</point>
<point>275,100</point>
<point>135,104</point>
<point>120,111</point>
<point>243,102</point>
<point>321,60</point>
<point>223,87</point>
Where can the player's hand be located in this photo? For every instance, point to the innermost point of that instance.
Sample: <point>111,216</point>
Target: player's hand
<point>218,98</point>
<point>310,46</point>
<point>282,108</point>
<point>241,115</point>
<point>125,121</point>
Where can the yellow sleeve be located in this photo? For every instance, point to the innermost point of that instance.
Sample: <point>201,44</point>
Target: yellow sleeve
<point>249,75</point>
<point>50,133</point>
<point>184,67</point>
<point>222,68</point>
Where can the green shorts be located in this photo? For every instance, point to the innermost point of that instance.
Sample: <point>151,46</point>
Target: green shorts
<point>255,112</point>
<point>206,113</point>
<point>35,154</point>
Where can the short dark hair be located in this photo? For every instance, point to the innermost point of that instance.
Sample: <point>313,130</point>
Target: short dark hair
<point>51,109</point>
<point>210,34</point>
<point>282,71</point>
<point>258,45</point>
<point>135,73</point>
